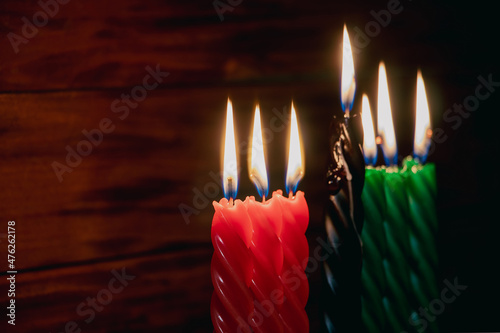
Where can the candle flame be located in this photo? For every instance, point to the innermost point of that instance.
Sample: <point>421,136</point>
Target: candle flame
<point>257,167</point>
<point>230,172</point>
<point>423,130</point>
<point>384,120</point>
<point>369,144</point>
<point>348,84</point>
<point>295,170</point>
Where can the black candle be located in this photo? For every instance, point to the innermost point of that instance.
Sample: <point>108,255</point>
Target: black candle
<point>344,212</point>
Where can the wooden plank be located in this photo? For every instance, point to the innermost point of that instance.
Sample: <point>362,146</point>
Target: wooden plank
<point>165,292</point>
<point>124,197</point>
<point>96,44</point>
<point>107,44</point>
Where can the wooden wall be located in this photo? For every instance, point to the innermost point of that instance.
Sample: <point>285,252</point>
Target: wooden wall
<point>119,207</point>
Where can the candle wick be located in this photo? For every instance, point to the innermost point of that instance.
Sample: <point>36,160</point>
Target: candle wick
<point>231,189</point>
<point>263,198</point>
<point>347,114</point>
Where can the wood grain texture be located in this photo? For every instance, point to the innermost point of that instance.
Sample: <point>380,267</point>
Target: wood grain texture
<point>46,300</point>
<point>107,44</point>
<point>102,44</point>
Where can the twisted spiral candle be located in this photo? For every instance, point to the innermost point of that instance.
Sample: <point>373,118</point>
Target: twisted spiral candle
<point>421,191</point>
<point>295,254</point>
<point>267,256</point>
<point>397,304</point>
<point>401,244</point>
<point>374,252</point>
<point>231,268</point>
<point>343,222</point>
<point>261,250</point>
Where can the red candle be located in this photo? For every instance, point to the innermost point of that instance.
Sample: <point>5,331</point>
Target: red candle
<point>267,254</point>
<point>293,239</point>
<point>289,218</point>
<point>260,247</point>
<point>232,267</point>
<point>266,247</point>
<point>296,254</point>
<point>232,263</point>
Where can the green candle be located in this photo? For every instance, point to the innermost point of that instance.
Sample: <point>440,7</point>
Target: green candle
<point>398,237</point>
<point>396,267</point>
<point>421,191</point>
<point>390,274</point>
<point>373,277</point>
<point>400,227</point>
<point>374,252</point>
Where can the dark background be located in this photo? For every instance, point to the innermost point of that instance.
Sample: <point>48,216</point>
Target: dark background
<point>120,206</point>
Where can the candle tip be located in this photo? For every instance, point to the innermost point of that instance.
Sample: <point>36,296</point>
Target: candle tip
<point>423,131</point>
<point>348,82</point>
<point>295,170</point>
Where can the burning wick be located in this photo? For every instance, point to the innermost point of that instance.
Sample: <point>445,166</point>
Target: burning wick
<point>254,176</point>
<point>230,187</point>
<point>298,174</point>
